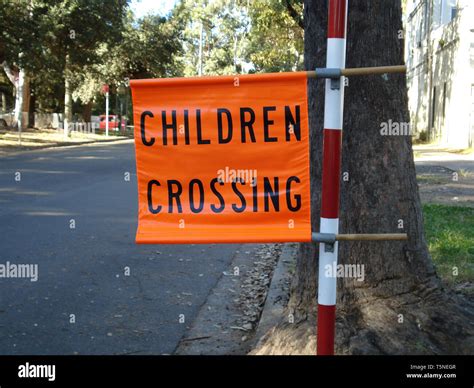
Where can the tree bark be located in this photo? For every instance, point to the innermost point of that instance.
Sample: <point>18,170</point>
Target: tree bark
<point>25,104</point>
<point>4,102</point>
<point>401,306</point>
<point>20,81</point>
<point>87,112</point>
<point>11,74</point>
<point>67,98</point>
<point>31,107</point>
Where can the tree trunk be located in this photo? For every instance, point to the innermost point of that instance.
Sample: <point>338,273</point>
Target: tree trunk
<point>401,306</point>
<point>87,112</point>
<point>20,81</point>
<point>22,101</point>
<point>25,117</point>
<point>67,98</point>
<point>31,107</point>
<point>4,102</point>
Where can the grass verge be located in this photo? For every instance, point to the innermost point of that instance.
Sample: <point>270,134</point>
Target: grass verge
<point>450,235</point>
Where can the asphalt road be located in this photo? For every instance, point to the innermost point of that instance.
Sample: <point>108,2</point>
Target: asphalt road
<point>81,270</point>
<point>430,156</point>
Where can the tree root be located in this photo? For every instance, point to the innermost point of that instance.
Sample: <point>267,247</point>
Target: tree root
<point>441,322</point>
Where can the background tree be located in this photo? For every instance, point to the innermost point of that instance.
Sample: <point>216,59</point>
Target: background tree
<point>214,36</point>
<point>402,307</point>
<point>275,42</point>
<point>18,50</point>
<point>239,36</point>
<point>72,30</point>
<point>70,48</point>
<point>149,48</point>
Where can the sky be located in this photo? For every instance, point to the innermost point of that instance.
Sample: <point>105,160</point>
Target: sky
<point>143,7</point>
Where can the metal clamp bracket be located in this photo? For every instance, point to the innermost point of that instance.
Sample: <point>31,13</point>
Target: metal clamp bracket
<point>328,239</point>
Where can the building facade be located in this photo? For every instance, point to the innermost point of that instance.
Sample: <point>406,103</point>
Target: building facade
<point>439,52</point>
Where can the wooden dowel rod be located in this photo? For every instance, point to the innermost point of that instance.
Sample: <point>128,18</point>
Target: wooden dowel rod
<point>336,73</point>
<point>372,237</point>
<point>373,70</point>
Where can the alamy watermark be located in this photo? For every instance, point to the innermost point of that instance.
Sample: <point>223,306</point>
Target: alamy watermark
<point>15,271</point>
<point>395,128</point>
<point>231,175</point>
<point>28,370</point>
<point>334,270</point>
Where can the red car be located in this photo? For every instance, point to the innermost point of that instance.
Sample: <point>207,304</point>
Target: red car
<point>113,122</point>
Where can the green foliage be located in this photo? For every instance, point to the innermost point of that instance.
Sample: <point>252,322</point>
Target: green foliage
<point>15,33</point>
<point>151,46</point>
<point>44,31</point>
<point>242,36</point>
<point>276,40</point>
<point>450,235</point>
<point>222,27</point>
<point>147,49</point>
<point>76,27</point>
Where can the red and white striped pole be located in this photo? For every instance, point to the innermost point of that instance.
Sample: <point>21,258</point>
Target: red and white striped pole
<point>333,112</point>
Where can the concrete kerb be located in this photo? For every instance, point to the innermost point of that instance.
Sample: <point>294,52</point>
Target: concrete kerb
<point>278,293</point>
